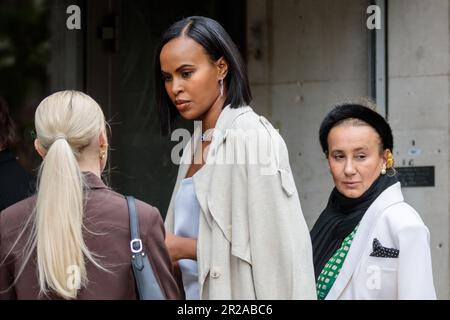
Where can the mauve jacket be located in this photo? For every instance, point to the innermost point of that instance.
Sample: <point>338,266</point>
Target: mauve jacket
<point>107,234</point>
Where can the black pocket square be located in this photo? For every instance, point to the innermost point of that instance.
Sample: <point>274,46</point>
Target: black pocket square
<point>382,252</point>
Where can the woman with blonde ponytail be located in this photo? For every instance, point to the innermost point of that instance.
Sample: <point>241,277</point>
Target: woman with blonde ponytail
<point>71,239</point>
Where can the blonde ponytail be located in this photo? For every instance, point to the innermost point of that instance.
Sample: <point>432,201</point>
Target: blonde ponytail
<point>59,217</point>
<point>66,123</point>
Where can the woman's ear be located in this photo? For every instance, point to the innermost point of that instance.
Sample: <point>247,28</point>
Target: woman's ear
<point>39,149</point>
<point>385,156</point>
<point>222,68</point>
<point>103,138</point>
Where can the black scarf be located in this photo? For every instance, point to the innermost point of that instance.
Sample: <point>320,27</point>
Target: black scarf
<point>340,217</point>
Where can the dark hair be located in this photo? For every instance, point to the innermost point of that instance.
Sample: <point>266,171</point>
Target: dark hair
<point>356,111</point>
<point>217,43</point>
<point>7,128</point>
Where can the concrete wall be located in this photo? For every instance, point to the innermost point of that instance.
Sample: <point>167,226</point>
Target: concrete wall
<point>304,56</point>
<point>418,63</point>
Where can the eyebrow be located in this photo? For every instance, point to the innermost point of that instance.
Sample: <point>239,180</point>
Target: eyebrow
<point>179,68</point>
<point>356,150</point>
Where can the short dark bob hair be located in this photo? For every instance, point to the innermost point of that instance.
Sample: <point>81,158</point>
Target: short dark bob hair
<point>356,111</point>
<point>217,44</point>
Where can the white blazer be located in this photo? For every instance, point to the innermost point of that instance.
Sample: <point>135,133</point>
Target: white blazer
<point>396,225</point>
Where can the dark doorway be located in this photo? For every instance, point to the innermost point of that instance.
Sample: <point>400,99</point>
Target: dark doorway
<point>25,38</point>
<point>120,40</point>
<point>111,58</point>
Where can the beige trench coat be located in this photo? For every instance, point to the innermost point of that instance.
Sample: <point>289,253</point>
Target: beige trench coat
<point>253,241</point>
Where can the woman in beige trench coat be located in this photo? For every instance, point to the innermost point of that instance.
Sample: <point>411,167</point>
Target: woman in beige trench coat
<point>235,224</point>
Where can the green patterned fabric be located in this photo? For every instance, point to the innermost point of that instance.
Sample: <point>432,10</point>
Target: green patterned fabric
<point>331,270</point>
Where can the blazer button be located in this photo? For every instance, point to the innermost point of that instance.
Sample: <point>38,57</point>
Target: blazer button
<point>215,274</point>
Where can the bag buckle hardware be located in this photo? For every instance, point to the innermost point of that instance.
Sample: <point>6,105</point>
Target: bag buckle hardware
<point>139,242</point>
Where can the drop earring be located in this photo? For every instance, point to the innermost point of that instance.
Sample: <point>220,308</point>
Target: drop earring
<point>383,171</point>
<point>221,87</point>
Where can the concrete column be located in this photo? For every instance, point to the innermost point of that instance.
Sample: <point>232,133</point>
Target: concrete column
<point>419,113</point>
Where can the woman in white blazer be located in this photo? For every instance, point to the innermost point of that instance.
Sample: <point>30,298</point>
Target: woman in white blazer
<point>235,225</point>
<point>367,243</point>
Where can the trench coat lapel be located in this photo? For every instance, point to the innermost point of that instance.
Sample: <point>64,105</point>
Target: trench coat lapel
<point>362,239</point>
<point>202,179</point>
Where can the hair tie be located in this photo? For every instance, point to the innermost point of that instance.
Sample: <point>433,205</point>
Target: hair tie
<point>60,136</point>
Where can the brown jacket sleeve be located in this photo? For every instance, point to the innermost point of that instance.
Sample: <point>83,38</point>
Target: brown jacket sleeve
<point>153,233</point>
<point>6,276</point>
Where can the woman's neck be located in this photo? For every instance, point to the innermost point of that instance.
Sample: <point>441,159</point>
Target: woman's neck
<point>90,165</point>
<point>209,119</point>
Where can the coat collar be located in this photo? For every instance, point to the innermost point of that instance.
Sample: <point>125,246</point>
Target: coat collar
<point>93,182</point>
<point>202,178</point>
<point>387,198</point>
<point>228,115</point>
<point>224,122</point>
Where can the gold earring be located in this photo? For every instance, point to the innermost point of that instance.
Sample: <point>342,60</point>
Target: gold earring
<point>390,160</point>
<point>102,152</point>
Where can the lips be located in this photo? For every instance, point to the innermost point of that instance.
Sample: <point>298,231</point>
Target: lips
<point>350,184</point>
<point>182,104</point>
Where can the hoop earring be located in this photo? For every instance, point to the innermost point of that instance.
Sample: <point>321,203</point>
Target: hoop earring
<point>221,87</point>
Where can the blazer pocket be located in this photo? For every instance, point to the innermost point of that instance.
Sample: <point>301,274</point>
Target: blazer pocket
<point>384,264</point>
<point>382,252</point>
<point>381,278</point>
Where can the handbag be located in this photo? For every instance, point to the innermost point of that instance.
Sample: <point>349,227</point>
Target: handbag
<point>146,283</point>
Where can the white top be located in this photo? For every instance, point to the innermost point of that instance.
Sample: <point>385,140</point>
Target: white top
<point>187,212</point>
